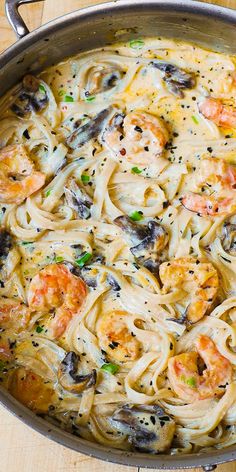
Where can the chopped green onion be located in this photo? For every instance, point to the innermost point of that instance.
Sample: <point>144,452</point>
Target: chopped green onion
<point>48,192</point>
<point>42,88</point>
<point>82,260</point>
<point>85,178</point>
<point>191,382</point>
<point>68,98</point>
<point>136,170</point>
<point>195,120</point>
<point>2,365</point>
<point>136,216</point>
<point>61,93</point>
<point>111,368</point>
<point>39,329</point>
<point>59,259</point>
<point>136,44</point>
<point>90,98</point>
<point>25,243</point>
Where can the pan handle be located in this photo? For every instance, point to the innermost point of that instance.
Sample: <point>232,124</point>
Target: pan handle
<point>14,17</point>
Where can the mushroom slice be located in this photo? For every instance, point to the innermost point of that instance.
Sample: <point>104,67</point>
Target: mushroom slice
<point>103,78</point>
<point>32,97</point>
<point>6,243</point>
<point>152,265</point>
<point>68,377</point>
<point>113,283</point>
<point>155,241</point>
<point>77,199</point>
<point>148,427</point>
<point>89,131</point>
<point>228,237</point>
<point>149,240</point>
<point>176,79</point>
<point>136,232</point>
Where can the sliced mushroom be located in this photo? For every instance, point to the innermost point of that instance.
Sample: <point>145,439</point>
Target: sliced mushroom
<point>69,378</point>
<point>77,199</point>
<point>153,266</point>
<point>89,131</point>
<point>103,78</point>
<point>137,233</point>
<point>31,97</point>
<point>113,283</point>
<point>148,427</point>
<point>155,240</point>
<point>116,122</point>
<point>149,241</point>
<point>176,79</point>
<point>228,237</point>
<point>6,243</point>
<point>87,273</point>
<point>182,319</point>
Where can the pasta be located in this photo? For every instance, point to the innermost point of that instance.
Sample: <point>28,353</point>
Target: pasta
<point>118,246</point>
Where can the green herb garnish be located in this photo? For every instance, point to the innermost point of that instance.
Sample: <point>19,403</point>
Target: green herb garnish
<point>68,98</point>
<point>136,215</point>
<point>2,365</point>
<point>85,178</point>
<point>26,243</point>
<point>136,44</point>
<point>90,98</point>
<point>195,119</point>
<point>39,329</point>
<point>42,88</point>
<point>61,93</point>
<point>136,170</point>
<point>59,259</point>
<point>191,381</point>
<point>83,259</point>
<point>111,368</point>
<point>48,193</point>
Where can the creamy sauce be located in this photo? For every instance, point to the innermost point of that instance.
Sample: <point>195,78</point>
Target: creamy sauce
<point>118,236</point>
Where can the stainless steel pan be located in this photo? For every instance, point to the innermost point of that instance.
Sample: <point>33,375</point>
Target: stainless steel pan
<point>205,24</point>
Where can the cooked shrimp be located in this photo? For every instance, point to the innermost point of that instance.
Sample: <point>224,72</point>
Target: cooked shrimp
<point>213,171</point>
<point>55,287</point>
<point>184,376</point>
<point>115,338</point>
<point>13,314</point>
<point>205,205</point>
<point>221,115</point>
<point>198,278</point>
<point>18,179</point>
<point>31,390</point>
<point>140,137</point>
<point>6,353</point>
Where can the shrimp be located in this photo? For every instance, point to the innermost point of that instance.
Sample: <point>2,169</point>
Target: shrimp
<point>217,176</point>
<point>213,171</point>
<point>205,205</point>
<point>6,353</point>
<point>31,390</point>
<point>13,314</point>
<point>222,115</point>
<point>115,338</point>
<point>18,179</point>
<point>198,278</point>
<point>55,287</point>
<point>140,137</point>
<point>184,375</point>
